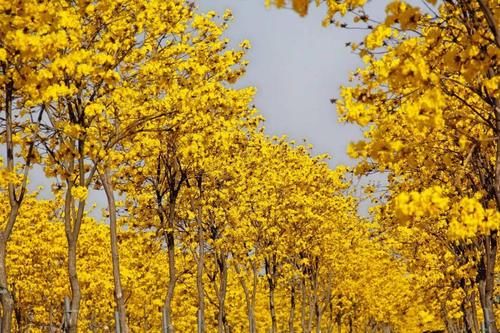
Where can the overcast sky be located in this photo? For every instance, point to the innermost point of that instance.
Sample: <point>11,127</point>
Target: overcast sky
<point>297,66</point>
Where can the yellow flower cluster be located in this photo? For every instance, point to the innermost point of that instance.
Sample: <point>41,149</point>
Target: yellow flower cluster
<point>430,202</point>
<point>470,218</point>
<point>79,192</point>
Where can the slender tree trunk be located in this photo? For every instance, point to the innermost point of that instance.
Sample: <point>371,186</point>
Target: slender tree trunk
<point>328,306</point>
<point>221,317</point>
<point>470,312</point>
<point>466,310</point>
<point>329,328</point>
<point>447,320</point>
<point>172,270</point>
<point>199,271</point>
<point>472,302</point>
<point>488,261</point>
<point>317,308</point>
<point>466,318</point>
<point>115,259</point>
<point>72,231</point>
<point>318,318</point>
<point>352,318</point>
<point>7,299</point>
<point>251,309</point>
<point>71,319</point>
<point>291,317</point>
<point>272,309</point>
<point>18,314</point>
<point>52,329</point>
<point>172,170</point>
<point>15,200</point>
<point>248,299</point>
<point>75,287</point>
<point>271,274</point>
<point>310,318</point>
<point>486,281</point>
<point>253,320</point>
<point>303,303</point>
<point>486,288</point>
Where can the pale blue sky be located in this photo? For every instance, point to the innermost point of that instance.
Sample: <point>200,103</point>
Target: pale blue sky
<point>297,65</point>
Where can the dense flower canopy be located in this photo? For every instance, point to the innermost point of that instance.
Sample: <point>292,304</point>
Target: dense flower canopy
<point>212,225</point>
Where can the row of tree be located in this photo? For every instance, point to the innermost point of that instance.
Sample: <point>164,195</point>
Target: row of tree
<point>209,224</point>
<point>427,99</point>
<point>240,254</point>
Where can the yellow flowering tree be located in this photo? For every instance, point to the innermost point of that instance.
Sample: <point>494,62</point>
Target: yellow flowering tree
<point>426,99</point>
<point>211,225</point>
<point>28,36</point>
<point>94,90</point>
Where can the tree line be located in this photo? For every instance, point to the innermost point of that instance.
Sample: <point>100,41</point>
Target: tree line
<point>210,224</point>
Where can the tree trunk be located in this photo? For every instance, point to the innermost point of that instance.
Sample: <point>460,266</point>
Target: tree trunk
<point>72,324</point>
<point>18,313</point>
<point>467,311</point>
<point>328,306</point>
<point>310,318</point>
<point>303,321</point>
<point>221,317</point>
<point>274,328</point>
<point>6,296</point>
<point>466,318</point>
<point>486,281</point>
<point>317,308</point>
<point>248,299</point>
<point>487,264</point>
<point>115,259</point>
<point>172,271</point>
<point>318,318</point>
<point>271,273</point>
<point>472,302</point>
<point>199,271</point>
<point>291,317</point>
<point>329,327</point>
<point>449,324</point>
<point>72,226</point>
<point>71,319</point>
<point>253,321</point>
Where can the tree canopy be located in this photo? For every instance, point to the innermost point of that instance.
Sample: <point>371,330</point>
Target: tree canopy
<point>212,225</point>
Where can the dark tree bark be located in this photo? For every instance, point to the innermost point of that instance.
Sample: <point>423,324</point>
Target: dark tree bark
<point>291,317</point>
<point>270,267</point>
